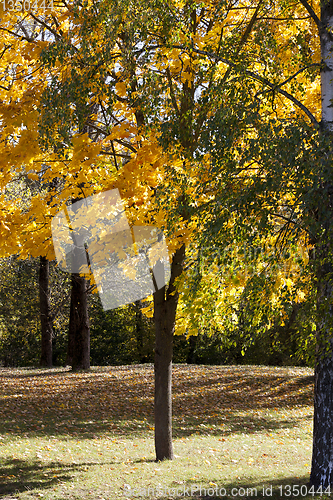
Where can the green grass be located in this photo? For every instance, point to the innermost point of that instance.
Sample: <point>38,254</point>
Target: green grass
<point>90,435</point>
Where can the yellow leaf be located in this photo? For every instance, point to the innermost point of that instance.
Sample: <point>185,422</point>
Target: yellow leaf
<point>121,89</point>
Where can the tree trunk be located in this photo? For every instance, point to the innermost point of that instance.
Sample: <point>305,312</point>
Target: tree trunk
<point>322,454</point>
<point>139,330</point>
<point>326,75</point>
<point>165,305</point>
<point>45,314</point>
<point>80,323</point>
<point>71,333</point>
<point>191,356</point>
<point>78,350</point>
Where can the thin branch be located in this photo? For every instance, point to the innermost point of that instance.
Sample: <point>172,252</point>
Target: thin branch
<point>105,133</point>
<point>298,72</point>
<point>266,18</point>
<point>172,94</point>
<point>51,30</point>
<point>6,88</point>
<point>126,145</point>
<point>293,99</point>
<point>260,79</point>
<point>249,27</point>
<point>290,221</point>
<point>110,153</point>
<point>29,37</point>
<point>57,25</point>
<point>244,38</point>
<point>253,75</point>
<point>312,14</point>
<point>114,156</point>
<point>17,35</point>
<point>4,50</point>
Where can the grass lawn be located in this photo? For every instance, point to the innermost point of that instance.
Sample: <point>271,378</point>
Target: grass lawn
<point>90,435</point>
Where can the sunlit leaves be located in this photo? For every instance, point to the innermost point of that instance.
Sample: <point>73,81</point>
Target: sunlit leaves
<point>178,107</point>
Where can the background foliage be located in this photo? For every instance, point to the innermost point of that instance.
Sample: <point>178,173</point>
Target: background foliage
<point>126,335</point>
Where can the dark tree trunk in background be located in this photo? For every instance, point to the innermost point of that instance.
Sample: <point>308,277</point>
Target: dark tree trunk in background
<point>165,306</point>
<point>191,356</point>
<point>71,334</point>
<point>80,323</point>
<point>139,330</point>
<point>45,313</point>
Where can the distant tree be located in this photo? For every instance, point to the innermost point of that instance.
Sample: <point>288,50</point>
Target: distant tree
<point>45,313</point>
<point>19,312</point>
<point>79,323</point>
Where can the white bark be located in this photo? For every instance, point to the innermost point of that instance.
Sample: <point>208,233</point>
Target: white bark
<point>327,71</point>
<point>322,456</point>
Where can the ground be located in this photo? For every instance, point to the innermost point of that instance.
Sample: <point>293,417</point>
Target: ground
<point>243,431</point>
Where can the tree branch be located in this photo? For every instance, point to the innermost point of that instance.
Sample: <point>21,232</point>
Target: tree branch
<point>312,13</point>
<point>261,79</point>
<point>51,30</point>
<point>17,35</point>
<point>298,72</point>
<point>105,133</point>
<point>172,94</point>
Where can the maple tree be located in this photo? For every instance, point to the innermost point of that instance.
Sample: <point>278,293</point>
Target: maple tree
<point>185,105</point>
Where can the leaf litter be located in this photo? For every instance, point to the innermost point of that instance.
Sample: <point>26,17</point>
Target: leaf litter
<point>85,435</point>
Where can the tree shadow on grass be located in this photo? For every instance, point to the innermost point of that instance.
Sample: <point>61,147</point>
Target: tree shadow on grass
<point>203,425</point>
<point>19,373</point>
<point>277,489</point>
<point>248,424</point>
<point>17,475</point>
<point>119,401</point>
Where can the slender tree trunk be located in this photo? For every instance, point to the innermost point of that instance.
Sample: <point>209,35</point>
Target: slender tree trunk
<point>45,314</point>
<point>80,323</point>
<point>322,455</point>
<point>139,330</point>
<point>191,356</point>
<point>165,305</point>
<point>71,334</point>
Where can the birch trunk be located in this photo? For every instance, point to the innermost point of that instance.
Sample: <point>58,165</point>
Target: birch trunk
<point>322,455</point>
